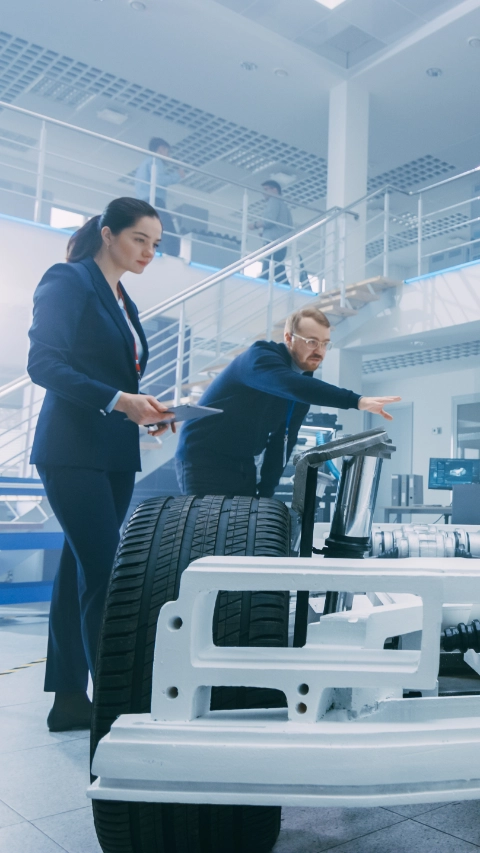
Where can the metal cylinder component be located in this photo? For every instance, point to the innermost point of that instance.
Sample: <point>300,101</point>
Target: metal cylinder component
<point>474,542</point>
<point>422,540</point>
<point>356,497</point>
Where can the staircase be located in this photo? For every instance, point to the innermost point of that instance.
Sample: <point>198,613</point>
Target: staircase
<point>193,335</point>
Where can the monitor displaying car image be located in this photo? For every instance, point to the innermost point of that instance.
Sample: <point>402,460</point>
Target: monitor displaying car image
<point>446,473</point>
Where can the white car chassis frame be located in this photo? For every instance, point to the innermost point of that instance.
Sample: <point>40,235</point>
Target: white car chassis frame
<point>347,738</point>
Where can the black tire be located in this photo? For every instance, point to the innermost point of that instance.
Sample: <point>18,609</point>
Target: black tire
<point>162,537</point>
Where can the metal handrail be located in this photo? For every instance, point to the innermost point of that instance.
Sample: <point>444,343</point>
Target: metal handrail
<point>237,266</point>
<point>15,385</point>
<point>181,164</point>
<point>202,285</point>
<point>246,260</point>
<point>171,160</point>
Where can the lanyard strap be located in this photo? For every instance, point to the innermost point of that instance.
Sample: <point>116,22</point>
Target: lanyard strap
<point>287,427</point>
<point>131,327</point>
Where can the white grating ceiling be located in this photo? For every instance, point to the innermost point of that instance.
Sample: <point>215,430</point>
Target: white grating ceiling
<point>430,229</point>
<point>419,171</point>
<point>450,352</point>
<point>25,66</point>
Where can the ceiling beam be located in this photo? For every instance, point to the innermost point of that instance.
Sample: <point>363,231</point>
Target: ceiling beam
<point>420,34</point>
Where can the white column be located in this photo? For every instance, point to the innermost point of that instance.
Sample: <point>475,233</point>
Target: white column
<point>344,368</point>
<point>347,174</point>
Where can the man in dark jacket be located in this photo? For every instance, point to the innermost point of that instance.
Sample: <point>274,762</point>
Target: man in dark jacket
<point>265,394</point>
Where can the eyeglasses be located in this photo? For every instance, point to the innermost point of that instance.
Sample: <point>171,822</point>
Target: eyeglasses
<point>312,343</point>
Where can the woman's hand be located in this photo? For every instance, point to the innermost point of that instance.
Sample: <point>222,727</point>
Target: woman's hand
<point>376,404</point>
<point>144,409</point>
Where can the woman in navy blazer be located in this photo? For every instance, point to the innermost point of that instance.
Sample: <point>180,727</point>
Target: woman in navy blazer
<point>88,349</point>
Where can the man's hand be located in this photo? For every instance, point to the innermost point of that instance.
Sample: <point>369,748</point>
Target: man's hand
<point>144,409</point>
<point>376,404</point>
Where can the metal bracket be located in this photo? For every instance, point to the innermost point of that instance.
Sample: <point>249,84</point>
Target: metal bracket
<point>372,442</point>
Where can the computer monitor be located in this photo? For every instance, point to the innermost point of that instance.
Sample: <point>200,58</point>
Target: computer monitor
<point>446,473</point>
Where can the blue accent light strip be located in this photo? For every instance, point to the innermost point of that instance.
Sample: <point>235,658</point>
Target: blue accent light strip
<point>441,272</point>
<point>34,480</point>
<point>158,254</point>
<point>40,541</point>
<point>20,593</point>
<point>17,490</point>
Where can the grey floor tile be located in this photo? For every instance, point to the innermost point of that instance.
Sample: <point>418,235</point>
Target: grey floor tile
<point>25,838</point>
<point>17,648</point>
<point>314,830</point>
<point>27,608</point>
<point>33,627</point>
<point>24,726</point>
<point>46,780</point>
<point>26,685</point>
<point>8,817</point>
<point>406,837</point>
<point>73,831</point>
<point>459,819</point>
<point>415,809</point>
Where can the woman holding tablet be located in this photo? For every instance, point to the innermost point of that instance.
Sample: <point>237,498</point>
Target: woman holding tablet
<point>89,351</point>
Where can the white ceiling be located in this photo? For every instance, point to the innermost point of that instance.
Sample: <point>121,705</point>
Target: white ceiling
<point>348,35</point>
<point>192,51</point>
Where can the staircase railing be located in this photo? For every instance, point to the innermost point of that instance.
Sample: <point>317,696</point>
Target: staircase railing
<point>407,232</point>
<point>188,335</point>
<point>42,173</point>
<point>389,232</point>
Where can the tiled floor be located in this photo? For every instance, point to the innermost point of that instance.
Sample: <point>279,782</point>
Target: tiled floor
<point>43,777</point>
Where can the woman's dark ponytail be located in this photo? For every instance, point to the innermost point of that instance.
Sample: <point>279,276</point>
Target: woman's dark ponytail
<point>86,242</point>
<point>121,213</point>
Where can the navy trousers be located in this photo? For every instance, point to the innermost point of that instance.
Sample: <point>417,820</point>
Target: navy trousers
<point>217,476</point>
<point>170,244</point>
<point>280,274</point>
<point>90,506</point>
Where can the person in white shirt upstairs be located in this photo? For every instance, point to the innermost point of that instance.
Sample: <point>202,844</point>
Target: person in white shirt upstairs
<point>277,222</point>
<point>165,178</point>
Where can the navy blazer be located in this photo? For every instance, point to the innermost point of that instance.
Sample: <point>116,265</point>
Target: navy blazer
<point>82,352</point>
<point>260,393</point>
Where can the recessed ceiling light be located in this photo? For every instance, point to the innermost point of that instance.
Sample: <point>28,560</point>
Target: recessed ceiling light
<point>282,178</point>
<point>330,4</point>
<point>113,116</point>
<point>434,72</point>
<point>138,5</point>
<point>249,66</point>
<point>280,72</point>
<point>474,41</point>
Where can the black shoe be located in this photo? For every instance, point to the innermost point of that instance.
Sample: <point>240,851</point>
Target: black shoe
<point>70,711</point>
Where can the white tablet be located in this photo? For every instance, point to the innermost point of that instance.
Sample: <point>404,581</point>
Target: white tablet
<point>187,413</point>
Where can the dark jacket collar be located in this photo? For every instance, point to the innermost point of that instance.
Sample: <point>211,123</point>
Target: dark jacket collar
<point>107,297</point>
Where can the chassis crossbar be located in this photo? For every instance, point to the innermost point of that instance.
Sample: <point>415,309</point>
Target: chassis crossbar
<point>346,726</point>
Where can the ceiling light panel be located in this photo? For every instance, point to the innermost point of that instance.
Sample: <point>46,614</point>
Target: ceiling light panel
<point>330,4</point>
